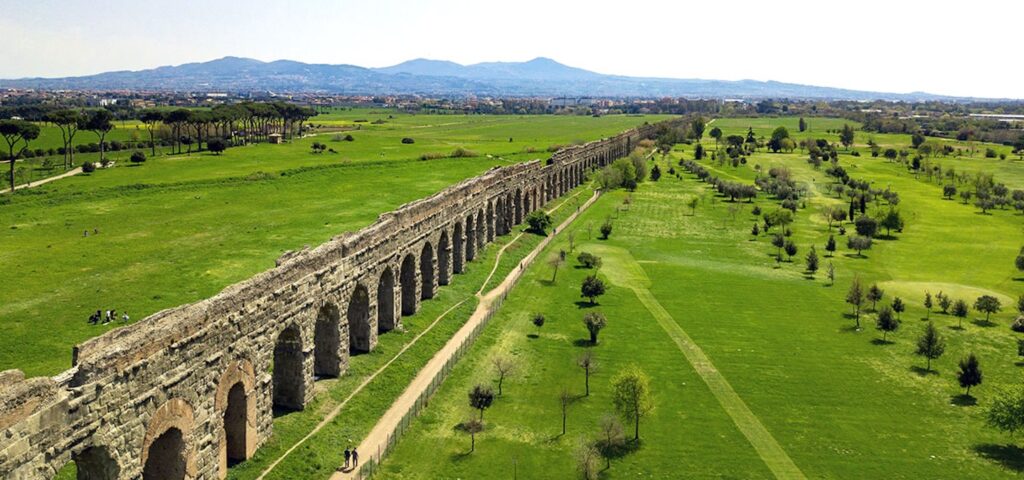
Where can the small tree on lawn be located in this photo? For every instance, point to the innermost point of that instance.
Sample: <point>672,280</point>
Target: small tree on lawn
<point>970,373</point>
<point>589,260</point>
<point>565,398</point>
<point>554,262</point>
<point>503,366</point>
<point>831,272</point>
<point>960,312</point>
<point>631,395</point>
<point>898,306</point>
<point>928,304</point>
<point>594,322</point>
<point>887,322</point>
<point>930,345</point>
<point>987,304</point>
<point>472,426</point>
<point>874,295</point>
<point>539,221</point>
<point>945,302</point>
<point>138,157</point>
<point>588,363</point>
<point>778,241</point>
<point>858,243</point>
<point>1006,412</point>
<point>481,397</point>
<point>612,438</point>
<point>812,261</point>
<point>855,297</point>
<point>586,460</point>
<point>830,245</point>
<point>606,229</point>
<point>790,248</point>
<point>216,145</point>
<point>538,321</point>
<point>592,288</point>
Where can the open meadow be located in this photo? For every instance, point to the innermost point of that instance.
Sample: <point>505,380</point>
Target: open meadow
<point>180,228</point>
<point>757,367</point>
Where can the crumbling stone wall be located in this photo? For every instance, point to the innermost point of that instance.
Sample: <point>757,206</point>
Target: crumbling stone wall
<point>188,390</point>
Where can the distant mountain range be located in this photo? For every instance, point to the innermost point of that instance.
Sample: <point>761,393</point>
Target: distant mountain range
<point>538,77</point>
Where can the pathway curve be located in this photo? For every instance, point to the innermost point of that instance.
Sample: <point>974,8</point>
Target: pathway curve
<point>378,436</point>
<point>69,173</point>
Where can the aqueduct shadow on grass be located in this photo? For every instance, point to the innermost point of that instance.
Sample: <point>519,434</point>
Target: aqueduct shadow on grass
<point>189,391</point>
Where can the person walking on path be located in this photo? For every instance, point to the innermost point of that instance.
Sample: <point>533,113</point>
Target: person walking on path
<point>355,458</point>
<point>348,456</point>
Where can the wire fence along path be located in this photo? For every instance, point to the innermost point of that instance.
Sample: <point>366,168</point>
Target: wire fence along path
<point>385,434</point>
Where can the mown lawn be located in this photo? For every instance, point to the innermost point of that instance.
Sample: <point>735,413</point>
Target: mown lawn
<point>839,402</point>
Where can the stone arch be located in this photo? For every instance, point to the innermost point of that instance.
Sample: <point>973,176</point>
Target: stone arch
<point>327,342</point>
<point>408,279</point>
<point>518,210</point>
<point>510,211</point>
<point>235,404</point>
<point>481,232</point>
<point>457,244</point>
<point>289,382</point>
<point>427,271</point>
<point>358,316</point>
<point>490,221</point>
<point>470,238</point>
<point>499,221</point>
<point>386,301</point>
<point>443,259</point>
<point>94,463</point>
<point>167,452</point>
<point>527,206</point>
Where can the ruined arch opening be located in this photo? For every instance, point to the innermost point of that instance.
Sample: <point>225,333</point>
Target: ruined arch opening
<point>443,260</point>
<point>470,238</point>
<point>481,232</point>
<point>427,271</point>
<point>519,207</point>
<point>166,457</point>
<point>386,301</point>
<point>93,463</point>
<point>408,278</point>
<point>289,385</point>
<point>499,222</point>
<point>510,211</point>
<point>358,316</point>
<point>327,342</point>
<point>490,222</point>
<point>235,424</point>
<point>457,244</point>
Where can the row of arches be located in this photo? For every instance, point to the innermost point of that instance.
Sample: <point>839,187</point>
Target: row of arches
<point>337,333</point>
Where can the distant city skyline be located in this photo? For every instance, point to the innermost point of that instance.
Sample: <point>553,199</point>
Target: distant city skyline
<point>941,47</point>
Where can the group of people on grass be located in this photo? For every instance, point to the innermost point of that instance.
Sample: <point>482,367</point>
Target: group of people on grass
<point>107,316</point>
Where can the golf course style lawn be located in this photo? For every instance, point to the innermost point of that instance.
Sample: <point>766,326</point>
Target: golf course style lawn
<point>757,368</point>
<point>181,228</point>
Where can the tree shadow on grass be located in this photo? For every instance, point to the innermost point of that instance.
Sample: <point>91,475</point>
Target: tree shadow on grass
<point>545,282</point>
<point>533,336</point>
<point>923,372</point>
<point>1019,364</point>
<point>963,400</point>
<point>1009,456</point>
<point>617,452</point>
<point>879,341</point>
<point>582,343</point>
<point>984,323</point>
<point>955,327</point>
<point>850,329</point>
<point>585,304</point>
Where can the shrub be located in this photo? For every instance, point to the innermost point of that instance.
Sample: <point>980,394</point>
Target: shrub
<point>1018,324</point>
<point>138,157</point>
<point>349,138</point>
<point>464,153</point>
<point>589,260</point>
<point>88,167</point>
<point>216,145</point>
<point>606,229</point>
<point>431,156</point>
<point>408,141</point>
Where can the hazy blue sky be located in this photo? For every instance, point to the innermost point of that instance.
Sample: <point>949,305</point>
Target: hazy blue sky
<point>957,48</point>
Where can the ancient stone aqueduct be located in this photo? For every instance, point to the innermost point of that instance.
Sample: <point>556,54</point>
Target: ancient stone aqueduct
<point>183,392</point>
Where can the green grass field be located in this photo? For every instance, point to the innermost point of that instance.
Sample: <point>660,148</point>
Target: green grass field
<point>823,398</point>
<point>180,228</point>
